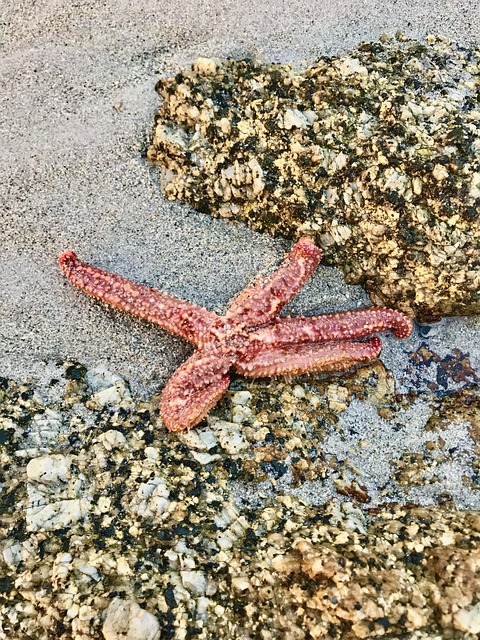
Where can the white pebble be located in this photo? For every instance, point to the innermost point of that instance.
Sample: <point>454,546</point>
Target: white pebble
<point>152,453</point>
<point>205,65</point>
<point>89,570</point>
<point>201,439</point>
<point>439,172</point>
<point>240,584</point>
<point>204,458</point>
<point>299,392</point>
<point>108,387</point>
<point>241,414</point>
<point>194,581</point>
<point>468,620</point>
<point>241,397</point>
<point>12,554</point>
<point>231,439</point>
<point>113,439</point>
<point>126,620</point>
<point>349,66</point>
<point>47,469</point>
<point>57,515</point>
<point>295,118</point>
<point>475,186</point>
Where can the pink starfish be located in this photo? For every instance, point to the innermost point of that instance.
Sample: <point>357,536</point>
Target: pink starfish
<point>250,337</point>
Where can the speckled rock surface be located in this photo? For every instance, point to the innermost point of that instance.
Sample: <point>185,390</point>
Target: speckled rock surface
<point>282,516</point>
<point>376,154</point>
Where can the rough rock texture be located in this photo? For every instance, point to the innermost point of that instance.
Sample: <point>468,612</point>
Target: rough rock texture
<point>283,517</point>
<point>376,154</point>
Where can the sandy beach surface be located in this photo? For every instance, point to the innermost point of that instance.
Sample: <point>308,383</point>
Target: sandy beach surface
<point>77,103</point>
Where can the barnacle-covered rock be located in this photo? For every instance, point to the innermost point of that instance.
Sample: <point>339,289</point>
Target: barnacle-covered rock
<point>375,154</point>
<point>303,526</point>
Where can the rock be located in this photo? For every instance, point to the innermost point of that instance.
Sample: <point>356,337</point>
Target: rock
<point>229,435</point>
<point>373,154</point>
<point>49,469</point>
<point>241,397</point>
<point>56,515</point>
<point>194,581</point>
<point>50,487</point>
<point>113,439</point>
<point>202,439</point>
<point>468,620</point>
<point>151,498</point>
<point>108,388</point>
<point>126,620</point>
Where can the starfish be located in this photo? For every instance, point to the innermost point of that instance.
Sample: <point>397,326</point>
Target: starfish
<point>251,338</point>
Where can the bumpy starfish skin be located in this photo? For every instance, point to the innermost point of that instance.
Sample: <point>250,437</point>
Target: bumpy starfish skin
<point>250,338</point>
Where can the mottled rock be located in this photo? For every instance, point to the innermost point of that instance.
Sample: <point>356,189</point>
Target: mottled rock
<point>276,541</point>
<point>374,154</point>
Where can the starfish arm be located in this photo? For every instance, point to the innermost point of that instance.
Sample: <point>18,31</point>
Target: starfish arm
<point>195,387</point>
<point>307,358</point>
<point>262,300</point>
<point>334,326</point>
<point>176,316</point>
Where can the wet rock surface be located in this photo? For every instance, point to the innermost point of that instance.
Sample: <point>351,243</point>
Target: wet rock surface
<point>375,154</point>
<point>282,516</point>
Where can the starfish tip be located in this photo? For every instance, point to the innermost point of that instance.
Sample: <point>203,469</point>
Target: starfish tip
<point>376,344</point>
<point>67,259</point>
<point>405,328</point>
<point>65,256</point>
